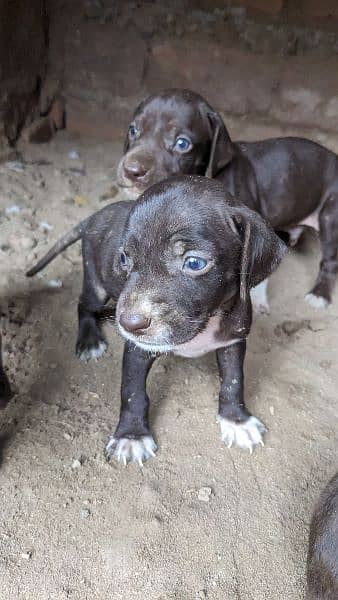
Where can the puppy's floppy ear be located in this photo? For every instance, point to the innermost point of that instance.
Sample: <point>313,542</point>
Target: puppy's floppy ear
<point>262,249</point>
<point>221,150</point>
<point>126,144</point>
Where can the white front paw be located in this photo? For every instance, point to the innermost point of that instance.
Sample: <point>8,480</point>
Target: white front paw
<point>127,450</point>
<point>245,435</point>
<point>316,301</point>
<point>92,353</point>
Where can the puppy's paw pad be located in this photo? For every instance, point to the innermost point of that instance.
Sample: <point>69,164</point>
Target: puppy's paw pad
<point>315,301</point>
<point>246,435</point>
<point>127,450</point>
<point>92,352</point>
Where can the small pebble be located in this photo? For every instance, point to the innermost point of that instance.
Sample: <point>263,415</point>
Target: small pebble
<point>76,464</point>
<point>44,226</point>
<point>54,283</point>
<point>204,494</point>
<point>27,555</point>
<point>67,436</point>
<point>12,210</point>
<point>272,410</point>
<point>85,513</point>
<point>15,165</point>
<point>81,200</point>
<point>73,155</point>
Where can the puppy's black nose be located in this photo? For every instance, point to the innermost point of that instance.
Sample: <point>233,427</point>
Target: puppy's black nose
<point>134,169</point>
<point>133,322</point>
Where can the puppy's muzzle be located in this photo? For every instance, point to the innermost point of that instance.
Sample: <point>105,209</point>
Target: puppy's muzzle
<point>134,323</point>
<point>135,170</point>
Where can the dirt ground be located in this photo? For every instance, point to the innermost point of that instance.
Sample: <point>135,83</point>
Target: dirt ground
<point>74,526</point>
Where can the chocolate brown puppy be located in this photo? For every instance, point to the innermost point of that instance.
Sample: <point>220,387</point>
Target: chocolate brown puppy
<point>322,564</point>
<point>179,263</point>
<point>292,182</point>
<point>171,133</point>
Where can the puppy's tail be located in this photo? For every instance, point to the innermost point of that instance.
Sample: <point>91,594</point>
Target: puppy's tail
<point>67,240</point>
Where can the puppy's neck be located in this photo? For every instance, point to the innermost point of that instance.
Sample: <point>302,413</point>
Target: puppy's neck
<point>211,338</point>
<point>226,326</point>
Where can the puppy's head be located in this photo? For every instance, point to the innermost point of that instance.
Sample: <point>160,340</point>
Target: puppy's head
<point>188,250</point>
<point>174,132</point>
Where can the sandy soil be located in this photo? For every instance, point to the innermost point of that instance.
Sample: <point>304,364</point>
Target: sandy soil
<point>74,526</point>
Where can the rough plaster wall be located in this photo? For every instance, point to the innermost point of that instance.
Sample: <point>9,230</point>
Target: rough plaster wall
<point>119,53</point>
<point>104,56</point>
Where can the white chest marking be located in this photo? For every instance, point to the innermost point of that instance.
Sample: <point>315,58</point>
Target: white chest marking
<point>206,341</point>
<point>312,220</point>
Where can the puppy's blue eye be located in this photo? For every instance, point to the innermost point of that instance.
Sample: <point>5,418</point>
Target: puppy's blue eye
<point>123,259</point>
<point>182,144</point>
<point>195,263</point>
<point>132,131</point>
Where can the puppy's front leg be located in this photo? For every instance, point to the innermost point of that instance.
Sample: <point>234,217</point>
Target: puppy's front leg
<point>132,440</point>
<point>238,426</point>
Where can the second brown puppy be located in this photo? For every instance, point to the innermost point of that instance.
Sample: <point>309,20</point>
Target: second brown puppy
<point>292,182</point>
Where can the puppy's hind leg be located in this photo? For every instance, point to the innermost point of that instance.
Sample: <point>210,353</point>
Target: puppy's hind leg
<point>320,295</point>
<point>90,342</point>
<point>238,426</point>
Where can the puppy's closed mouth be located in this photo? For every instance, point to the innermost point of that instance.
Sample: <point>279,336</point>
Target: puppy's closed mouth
<point>177,347</point>
<point>124,185</point>
<point>131,191</point>
<point>152,347</point>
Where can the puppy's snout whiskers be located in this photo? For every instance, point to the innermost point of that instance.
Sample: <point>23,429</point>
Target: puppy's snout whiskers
<point>107,315</point>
